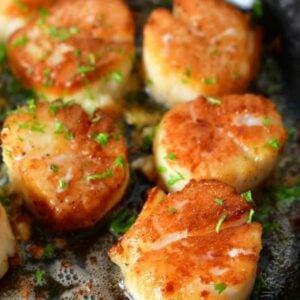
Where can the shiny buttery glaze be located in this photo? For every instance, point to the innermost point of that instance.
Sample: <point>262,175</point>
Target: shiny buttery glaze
<point>236,139</point>
<point>203,48</point>
<point>79,49</point>
<point>176,249</point>
<point>70,171</point>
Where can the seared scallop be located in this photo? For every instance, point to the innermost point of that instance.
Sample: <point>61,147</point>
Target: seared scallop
<point>199,243</point>
<point>203,48</point>
<point>7,248</point>
<point>81,50</point>
<point>235,139</point>
<point>70,169</point>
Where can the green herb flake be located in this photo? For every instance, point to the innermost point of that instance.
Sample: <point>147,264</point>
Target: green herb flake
<point>22,6</point>
<point>172,210</point>
<point>266,121</point>
<point>2,53</point>
<point>220,287</point>
<point>62,183</point>
<point>92,59</point>
<point>59,127</point>
<point>175,178</point>
<point>85,69</point>
<point>248,197</point>
<point>69,136</point>
<point>220,222</point>
<point>213,52</point>
<point>149,81</point>
<point>274,143</point>
<point>122,221</point>
<point>38,127</point>
<point>54,168</point>
<point>210,80</point>
<point>102,138</point>
<point>162,169</point>
<point>213,100</point>
<point>73,30</point>
<point>257,9</point>
<point>120,161</point>
<point>170,156</point>
<point>117,76</point>
<point>39,277</point>
<point>77,52</point>
<point>107,174</point>
<point>250,217</point>
<point>48,250</point>
<point>117,136</point>
<point>44,13</point>
<point>54,107</point>
<point>219,201</point>
<point>21,41</point>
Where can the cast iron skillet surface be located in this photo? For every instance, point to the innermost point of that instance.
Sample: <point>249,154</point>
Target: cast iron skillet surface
<point>82,270</point>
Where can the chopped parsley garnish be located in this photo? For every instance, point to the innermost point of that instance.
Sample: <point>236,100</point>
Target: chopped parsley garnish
<point>220,287</point>
<point>257,9</point>
<point>187,75</point>
<point>54,168</point>
<point>117,76</point>
<point>39,277</point>
<point>120,161</point>
<point>21,5</point>
<point>54,107</point>
<point>149,81</point>
<point>102,138</point>
<point>250,217</point>
<point>48,250</point>
<point>219,224</point>
<point>2,53</point>
<point>62,183</point>
<point>170,156</point>
<point>62,34</point>
<point>172,210</point>
<point>85,69</point>
<point>38,127</point>
<point>213,100</point>
<point>69,136</point>
<point>122,221</point>
<point>210,80</point>
<point>219,201</point>
<point>175,178</point>
<point>77,52</point>
<point>162,169</point>
<point>266,121</point>
<point>274,143</point>
<point>213,52</point>
<point>117,136</point>
<point>92,58</point>
<point>107,174</point>
<point>248,197</point>
<point>21,41</point>
<point>59,127</point>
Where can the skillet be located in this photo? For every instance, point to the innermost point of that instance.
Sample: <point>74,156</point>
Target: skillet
<point>76,265</point>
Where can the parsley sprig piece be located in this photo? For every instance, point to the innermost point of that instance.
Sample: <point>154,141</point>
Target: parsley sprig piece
<point>248,197</point>
<point>220,287</point>
<point>122,221</point>
<point>107,174</point>
<point>220,222</point>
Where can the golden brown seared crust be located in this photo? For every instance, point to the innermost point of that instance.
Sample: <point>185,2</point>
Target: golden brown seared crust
<point>71,170</point>
<point>204,48</point>
<point>174,250</point>
<point>75,44</point>
<point>235,139</point>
